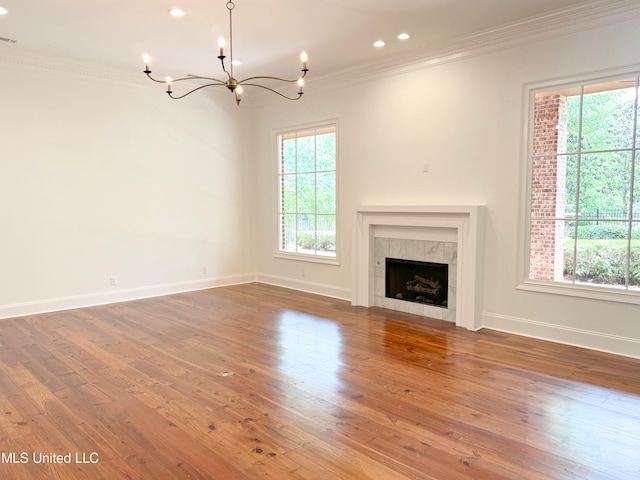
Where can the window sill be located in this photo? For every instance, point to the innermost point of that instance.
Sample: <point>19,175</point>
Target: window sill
<point>607,294</point>
<point>302,257</point>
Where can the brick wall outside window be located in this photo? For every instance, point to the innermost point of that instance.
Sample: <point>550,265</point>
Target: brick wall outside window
<point>548,188</point>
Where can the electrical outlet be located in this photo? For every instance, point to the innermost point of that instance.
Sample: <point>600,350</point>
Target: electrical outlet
<point>112,281</point>
<point>204,270</point>
<point>303,273</point>
<point>425,168</point>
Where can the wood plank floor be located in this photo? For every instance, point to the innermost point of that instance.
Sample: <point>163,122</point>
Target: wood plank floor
<point>254,381</point>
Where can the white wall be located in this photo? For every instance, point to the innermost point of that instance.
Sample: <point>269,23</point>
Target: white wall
<point>465,119</point>
<point>103,178</point>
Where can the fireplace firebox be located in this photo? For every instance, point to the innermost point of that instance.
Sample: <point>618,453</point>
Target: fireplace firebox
<point>413,281</point>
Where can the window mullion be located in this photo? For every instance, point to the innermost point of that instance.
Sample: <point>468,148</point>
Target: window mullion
<point>577,204</point>
<point>297,184</point>
<point>315,190</point>
<point>632,186</point>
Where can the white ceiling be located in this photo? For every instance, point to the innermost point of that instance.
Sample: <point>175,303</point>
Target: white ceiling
<point>268,34</point>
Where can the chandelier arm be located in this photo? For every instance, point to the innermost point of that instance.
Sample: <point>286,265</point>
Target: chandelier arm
<point>154,79</point>
<point>200,77</point>
<point>224,69</point>
<point>194,90</point>
<point>262,77</point>
<point>190,77</point>
<point>272,90</point>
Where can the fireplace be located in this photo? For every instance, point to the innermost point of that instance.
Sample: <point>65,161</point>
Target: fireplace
<point>450,234</point>
<point>412,256</point>
<point>415,281</point>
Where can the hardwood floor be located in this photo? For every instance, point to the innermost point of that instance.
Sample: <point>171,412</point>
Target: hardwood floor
<point>255,381</point>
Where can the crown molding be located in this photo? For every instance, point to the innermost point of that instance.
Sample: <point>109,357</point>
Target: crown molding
<point>22,58</point>
<point>554,24</point>
<point>577,18</point>
<point>12,55</point>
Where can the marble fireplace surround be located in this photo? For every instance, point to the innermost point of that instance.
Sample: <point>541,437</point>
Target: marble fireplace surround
<point>412,246</point>
<point>461,222</point>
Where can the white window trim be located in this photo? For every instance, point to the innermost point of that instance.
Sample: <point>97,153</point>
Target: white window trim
<point>601,292</point>
<point>302,257</point>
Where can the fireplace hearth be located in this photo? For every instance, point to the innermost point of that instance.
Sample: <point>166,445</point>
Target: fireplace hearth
<point>415,281</point>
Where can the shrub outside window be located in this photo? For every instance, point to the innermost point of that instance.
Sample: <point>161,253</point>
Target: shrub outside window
<point>307,192</point>
<point>584,216</point>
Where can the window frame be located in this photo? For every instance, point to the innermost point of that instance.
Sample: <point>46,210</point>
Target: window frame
<point>300,256</point>
<point>580,290</point>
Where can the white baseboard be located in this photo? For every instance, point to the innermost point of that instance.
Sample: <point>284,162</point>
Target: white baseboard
<point>629,347</point>
<point>102,298</point>
<point>519,326</point>
<point>304,286</point>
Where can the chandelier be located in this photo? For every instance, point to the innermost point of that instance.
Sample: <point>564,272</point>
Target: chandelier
<point>234,85</point>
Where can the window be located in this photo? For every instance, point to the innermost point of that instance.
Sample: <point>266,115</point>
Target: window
<point>584,184</point>
<point>307,192</point>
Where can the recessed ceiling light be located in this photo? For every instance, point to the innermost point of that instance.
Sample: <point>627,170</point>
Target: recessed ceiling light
<point>379,44</point>
<point>3,11</point>
<point>176,12</point>
<point>404,36</point>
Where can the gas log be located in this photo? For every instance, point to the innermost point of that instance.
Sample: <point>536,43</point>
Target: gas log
<point>424,286</point>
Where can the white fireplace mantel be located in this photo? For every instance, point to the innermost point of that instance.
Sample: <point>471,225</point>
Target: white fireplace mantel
<point>466,220</point>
